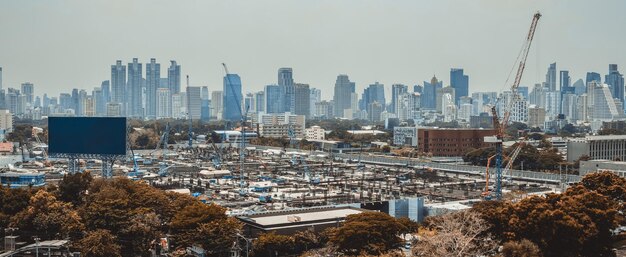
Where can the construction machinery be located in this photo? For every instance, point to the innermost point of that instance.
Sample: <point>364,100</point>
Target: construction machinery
<point>500,125</point>
<point>242,147</point>
<point>190,142</point>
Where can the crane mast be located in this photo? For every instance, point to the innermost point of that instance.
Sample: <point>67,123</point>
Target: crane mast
<point>190,143</point>
<point>243,132</point>
<point>500,125</point>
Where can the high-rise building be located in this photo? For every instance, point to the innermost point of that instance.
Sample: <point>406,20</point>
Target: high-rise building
<point>536,116</point>
<point>248,103</point>
<point>593,76</point>
<point>302,100</point>
<point>178,105</point>
<point>99,102</point>
<point>114,109</point>
<point>173,78</point>
<point>216,104</point>
<point>396,91</point>
<point>551,77</point>
<point>605,107</point>
<point>343,94</point>
<point>232,98</point>
<point>570,106</point>
<point>134,89</point>
<point>153,77</point>
<point>553,103</point>
<point>273,99</point>
<point>164,110</point>
<point>194,102</point>
<point>106,91</point>
<point>374,111</point>
<point>448,108</point>
<point>118,83</point>
<point>205,110</point>
<point>373,93</point>
<point>579,87</point>
<point>429,95</point>
<point>440,93</point>
<point>204,93</point>
<point>28,90</point>
<point>615,80</point>
<point>259,100</point>
<point>460,83</point>
<point>324,109</point>
<point>565,82</point>
<point>315,97</point>
<point>285,81</point>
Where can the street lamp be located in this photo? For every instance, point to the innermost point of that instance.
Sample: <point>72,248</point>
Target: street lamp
<point>37,245</point>
<point>247,243</point>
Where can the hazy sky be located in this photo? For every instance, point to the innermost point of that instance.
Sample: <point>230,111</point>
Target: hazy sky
<point>60,45</point>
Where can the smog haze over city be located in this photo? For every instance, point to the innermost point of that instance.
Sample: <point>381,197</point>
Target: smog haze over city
<point>257,128</point>
<point>60,45</point>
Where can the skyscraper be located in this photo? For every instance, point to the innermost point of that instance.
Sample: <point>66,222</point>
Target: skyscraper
<point>135,77</point>
<point>343,94</point>
<point>118,83</point>
<point>194,102</point>
<point>285,81</point>
<point>164,110</point>
<point>565,82</point>
<point>28,90</point>
<point>260,101</point>
<point>593,76</point>
<point>315,97</point>
<point>216,104</point>
<point>615,80</point>
<point>173,78</point>
<point>551,77</point>
<point>99,103</point>
<point>204,93</point>
<point>153,77</point>
<point>396,91</point>
<point>302,100</point>
<point>106,91</point>
<point>430,93</point>
<point>460,83</point>
<point>232,98</point>
<point>273,99</point>
<point>373,93</point>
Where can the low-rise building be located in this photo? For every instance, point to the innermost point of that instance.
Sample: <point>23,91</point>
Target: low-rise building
<point>610,147</point>
<point>315,133</point>
<point>292,221</point>
<point>617,167</point>
<point>451,142</point>
<point>406,136</point>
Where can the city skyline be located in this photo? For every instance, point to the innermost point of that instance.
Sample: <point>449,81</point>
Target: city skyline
<point>409,54</point>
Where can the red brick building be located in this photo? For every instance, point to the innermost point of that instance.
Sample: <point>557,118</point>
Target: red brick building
<point>451,142</point>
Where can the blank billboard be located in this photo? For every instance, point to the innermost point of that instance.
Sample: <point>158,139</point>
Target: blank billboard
<point>86,136</point>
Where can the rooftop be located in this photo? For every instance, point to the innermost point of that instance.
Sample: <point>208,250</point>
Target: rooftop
<point>301,215</point>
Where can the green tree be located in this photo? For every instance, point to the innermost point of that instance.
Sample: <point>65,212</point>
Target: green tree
<point>523,248</point>
<point>99,243</point>
<point>368,232</point>
<point>184,225</point>
<point>73,186</point>
<point>48,218</point>
<point>218,236</point>
<point>271,244</point>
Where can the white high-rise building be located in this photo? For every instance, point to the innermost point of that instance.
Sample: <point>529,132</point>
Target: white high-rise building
<point>605,107</point>
<point>519,111</point>
<point>315,97</point>
<point>178,110</point>
<point>216,105</point>
<point>164,110</point>
<point>570,107</point>
<point>552,103</point>
<point>6,120</point>
<point>448,108</point>
<point>465,111</point>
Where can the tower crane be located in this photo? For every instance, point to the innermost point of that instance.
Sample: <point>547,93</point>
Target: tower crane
<point>190,143</point>
<point>243,131</point>
<point>500,125</point>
